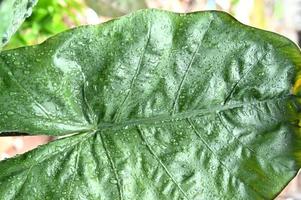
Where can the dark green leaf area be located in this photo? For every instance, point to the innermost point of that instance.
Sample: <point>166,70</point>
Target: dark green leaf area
<point>154,105</point>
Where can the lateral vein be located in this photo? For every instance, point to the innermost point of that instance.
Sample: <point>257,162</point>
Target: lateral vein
<point>152,152</point>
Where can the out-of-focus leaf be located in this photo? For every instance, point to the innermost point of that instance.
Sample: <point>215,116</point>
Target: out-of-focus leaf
<point>115,8</point>
<point>153,106</point>
<point>12,14</point>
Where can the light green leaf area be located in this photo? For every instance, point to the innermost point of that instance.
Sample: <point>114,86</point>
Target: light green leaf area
<point>12,15</point>
<point>153,106</point>
<point>115,8</point>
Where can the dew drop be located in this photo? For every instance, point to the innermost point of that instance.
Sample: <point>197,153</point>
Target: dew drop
<point>4,40</point>
<point>113,181</point>
<point>10,113</point>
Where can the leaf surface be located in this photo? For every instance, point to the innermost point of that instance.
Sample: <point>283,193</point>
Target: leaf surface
<point>154,105</point>
<point>12,15</point>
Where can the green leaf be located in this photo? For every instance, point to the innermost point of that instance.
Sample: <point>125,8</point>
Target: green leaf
<point>154,105</point>
<point>12,15</point>
<point>116,8</point>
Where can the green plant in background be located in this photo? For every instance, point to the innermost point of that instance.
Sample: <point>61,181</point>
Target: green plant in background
<point>48,18</point>
<point>153,105</point>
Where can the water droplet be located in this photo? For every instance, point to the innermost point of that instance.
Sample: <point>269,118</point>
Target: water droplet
<point>113,181</point>
<point>27,14</point>
<point>4,39</point>
<point>10,113</point>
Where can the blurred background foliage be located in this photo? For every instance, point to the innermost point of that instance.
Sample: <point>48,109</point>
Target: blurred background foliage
<point>50,17</point>
<point>116,8</point>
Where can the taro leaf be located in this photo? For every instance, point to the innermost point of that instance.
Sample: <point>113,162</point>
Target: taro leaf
<point>12,15</point>
<point>160,106</point>
<point>115,8</point>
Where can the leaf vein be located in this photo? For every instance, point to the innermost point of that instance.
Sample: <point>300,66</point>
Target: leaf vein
<point>152,152</point>
<point>113,167</point>
<point>217,157</point>
<point>78,151</point>
<point>188,68</point>
<point>243,144</point>
<point>22,186</point>
<point>116,118</point>
<point>228,97</point>
<point>188,114</point>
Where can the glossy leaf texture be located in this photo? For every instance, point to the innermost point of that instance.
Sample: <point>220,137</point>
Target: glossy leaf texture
<point>154,105</point>
<point>12,15</point>
<point>115,8</point>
